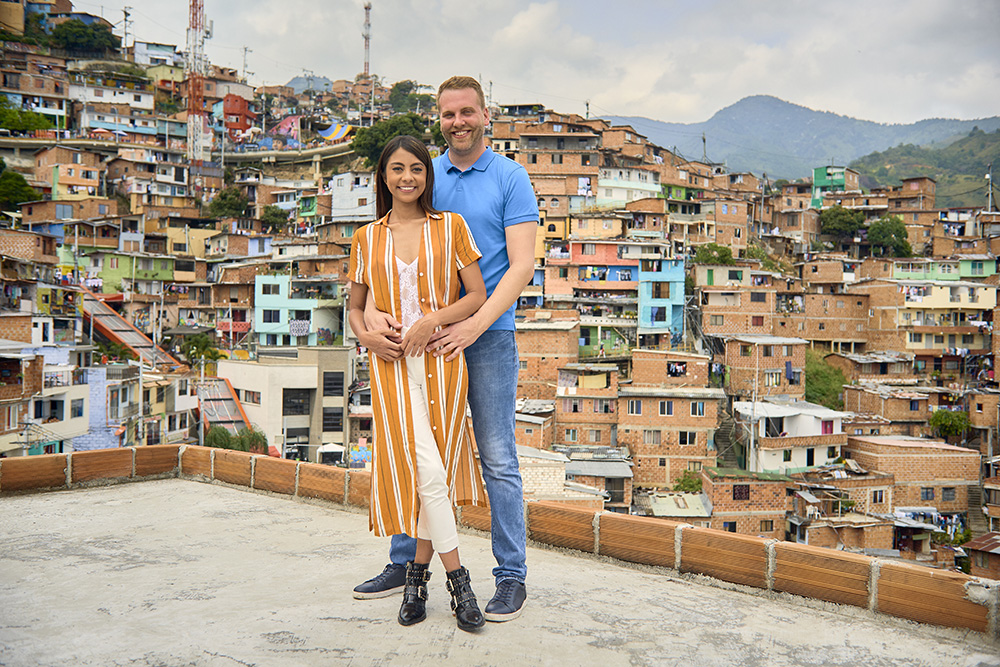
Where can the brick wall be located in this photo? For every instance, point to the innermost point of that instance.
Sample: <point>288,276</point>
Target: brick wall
<point>650,368</point>
<point>542,352</point>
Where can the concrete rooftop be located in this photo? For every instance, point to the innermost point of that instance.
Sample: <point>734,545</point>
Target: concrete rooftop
<point>176,572</point>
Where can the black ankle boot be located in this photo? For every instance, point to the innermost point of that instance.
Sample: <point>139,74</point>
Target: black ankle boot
<point>463,601</point>
<point>414,607</point>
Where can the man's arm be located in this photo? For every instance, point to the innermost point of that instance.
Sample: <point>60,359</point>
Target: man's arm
<point>376,330</point>
<point>521,254</point>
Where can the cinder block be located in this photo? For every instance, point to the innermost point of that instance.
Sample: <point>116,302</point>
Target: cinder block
<point>637,539</point>
<point>826,574</point>
<point>100,464</point>
<point>476,517</point>
<point>359,484</point>
<point>156,459</point>
<point>274,474</point>
<point>928,596</point>
<point>320,481</point>
<point>561,525</point>
<point>232,467</point>
<point>47,471</point>
<point>196,461</point>
<point>740,559</point>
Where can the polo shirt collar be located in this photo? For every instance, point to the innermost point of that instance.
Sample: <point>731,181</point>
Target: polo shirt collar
<point>479,165</point>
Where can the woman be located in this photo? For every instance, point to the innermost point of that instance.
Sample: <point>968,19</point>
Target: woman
<point>413,262</point>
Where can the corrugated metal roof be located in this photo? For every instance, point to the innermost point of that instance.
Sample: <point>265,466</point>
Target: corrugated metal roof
<point>990,543</point>
<point>683,505</point>
<point>592,468</point>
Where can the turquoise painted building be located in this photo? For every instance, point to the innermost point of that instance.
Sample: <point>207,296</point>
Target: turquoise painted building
<point>661,302</point>
<point>292,311</point>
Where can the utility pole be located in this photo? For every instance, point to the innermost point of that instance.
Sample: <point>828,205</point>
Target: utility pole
<point>989,187</point>
<point>367,34</point>
<point>125,11</point>
<point>246,50</point>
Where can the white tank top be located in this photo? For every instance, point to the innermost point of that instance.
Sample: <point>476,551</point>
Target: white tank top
<point>409,295</point>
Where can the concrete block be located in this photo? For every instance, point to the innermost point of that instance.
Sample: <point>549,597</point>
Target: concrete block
<point>637,539</point>
<point>320,481</point>
<point>196,461</point>
<point>232,467</point>
<point>274,474</point>
<point>156,459</point>
<point>47,471</point>
<point>928,596</point>
<point>561,525</point>
<point>100,464</point>
<point>359,484</point>
<point>826,574</point>
<point>740,559</point>
<point>476,517</point>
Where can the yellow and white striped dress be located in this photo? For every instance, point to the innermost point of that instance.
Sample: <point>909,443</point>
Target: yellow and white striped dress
<point>446,246</point>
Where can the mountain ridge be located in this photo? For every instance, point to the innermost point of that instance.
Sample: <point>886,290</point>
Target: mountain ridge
<point>767,135</point>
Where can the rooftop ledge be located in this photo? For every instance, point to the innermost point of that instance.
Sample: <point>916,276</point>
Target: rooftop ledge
<point>174,572</point>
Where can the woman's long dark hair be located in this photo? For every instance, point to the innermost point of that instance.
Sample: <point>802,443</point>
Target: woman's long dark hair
<point>416,148</point>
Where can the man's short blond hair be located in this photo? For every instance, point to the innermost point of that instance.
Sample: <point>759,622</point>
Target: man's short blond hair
<point>463,83</point>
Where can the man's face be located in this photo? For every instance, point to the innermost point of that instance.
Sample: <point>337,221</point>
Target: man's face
<point>463,120</point>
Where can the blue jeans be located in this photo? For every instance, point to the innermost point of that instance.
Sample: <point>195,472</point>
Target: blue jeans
<point>492,362</point>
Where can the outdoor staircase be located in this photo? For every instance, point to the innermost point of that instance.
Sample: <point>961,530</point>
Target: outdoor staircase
<point>726,442</point>
<point>977,520</point>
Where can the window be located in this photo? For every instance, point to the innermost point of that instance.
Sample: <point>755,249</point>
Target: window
<point>605,405</point>
<point>589,249</point>
<point>295,402</point>
<point>716,320</point>
<point>64,211</point>
<point>251,397</point>
<point>914,406</point>
<point>979,407</point>
<point>272,316</point>
<point>729,526</point>
<point>634,406</point>
<point>786,455</point>
<point>694,466</point>
<point>741,492</point>
<point>333,384</point>
<point>594,435</point>
<point>878,496</point>
<point>570,435</point>
<point>697,408</point>
<point>76,408</point>
<point>758,297</point>
<point>687,438</point>
<point>831,452</point>
<point>666,408</point>
<point>982,558</point>
<point>270,288</point>
<point>744,350</point>
<point>767,525</point>
<point>927,493</point>
<point>333,420</point>
<point>650,437</point>
<point>557,158</point>
<point>758,321</point>
<point>772,378</point>
<point>948,494</point>
<point>767,351</point>
<point>522,365</point>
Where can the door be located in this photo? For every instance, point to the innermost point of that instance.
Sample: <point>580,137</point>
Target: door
<point>711,277</point>
<point>810,456</point>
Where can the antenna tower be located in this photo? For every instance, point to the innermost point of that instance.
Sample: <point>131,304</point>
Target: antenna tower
<point>194,68</point>
<point>367,34</point>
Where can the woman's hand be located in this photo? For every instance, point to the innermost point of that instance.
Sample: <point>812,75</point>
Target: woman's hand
<point>416,338</point>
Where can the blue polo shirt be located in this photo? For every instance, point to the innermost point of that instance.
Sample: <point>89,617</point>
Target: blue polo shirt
<point>491,195</point>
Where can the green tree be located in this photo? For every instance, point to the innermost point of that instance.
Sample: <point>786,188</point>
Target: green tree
<point>947,423</point>
<point>197,346</point>
<point>251,440</point>
<point>824,383</point>
<point>840,222</point>
<point>14,191</point>
<point>75,35</point>
<point>399,95</point>
<point>274,217</point>
<point>369,141</point>
<point>689,482</point>
<point>888,238</point>
<point>228,203</point>
<point>219,437</point>
<point>18,120</point>
<point>713,253</point>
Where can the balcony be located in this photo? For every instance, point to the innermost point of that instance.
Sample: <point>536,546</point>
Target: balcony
<point>788,441</point>
<point>230,326</point>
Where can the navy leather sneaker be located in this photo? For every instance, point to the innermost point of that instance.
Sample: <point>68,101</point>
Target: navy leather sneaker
<point>392,580</point>
<point>508,602</point>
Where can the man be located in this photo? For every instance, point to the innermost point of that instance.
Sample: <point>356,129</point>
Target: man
<point>496,198</point>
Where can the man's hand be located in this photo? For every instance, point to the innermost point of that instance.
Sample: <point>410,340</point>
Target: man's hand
<point>454,338</point>
<point>382,332</point>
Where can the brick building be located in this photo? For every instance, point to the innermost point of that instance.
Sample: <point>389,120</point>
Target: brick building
<point>984,555</point>
<point>926,473</point>
<point>764,365</point>
<point>750,503</point>
<point>889,367</point>
<point>789,435</point>
<point>586,405</point>
<point>70,173</point>
<point>545,344</point>
<point>908,408</point>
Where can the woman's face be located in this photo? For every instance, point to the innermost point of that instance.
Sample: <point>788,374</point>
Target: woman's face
<point>405,176</point>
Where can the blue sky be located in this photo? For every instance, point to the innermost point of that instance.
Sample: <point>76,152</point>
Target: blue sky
<point>893,61</point>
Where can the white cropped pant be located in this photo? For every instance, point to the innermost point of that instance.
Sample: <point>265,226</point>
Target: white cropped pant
<point>437,518</point>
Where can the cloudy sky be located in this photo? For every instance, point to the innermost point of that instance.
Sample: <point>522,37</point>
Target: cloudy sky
<point>891,61</point>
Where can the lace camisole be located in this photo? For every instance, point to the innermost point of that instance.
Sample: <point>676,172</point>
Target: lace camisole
<point>409,297</point>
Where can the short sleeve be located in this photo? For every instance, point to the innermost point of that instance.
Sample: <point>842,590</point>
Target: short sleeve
<point>466,250</point>
<point>520,204</point>
<point>356,270</point>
